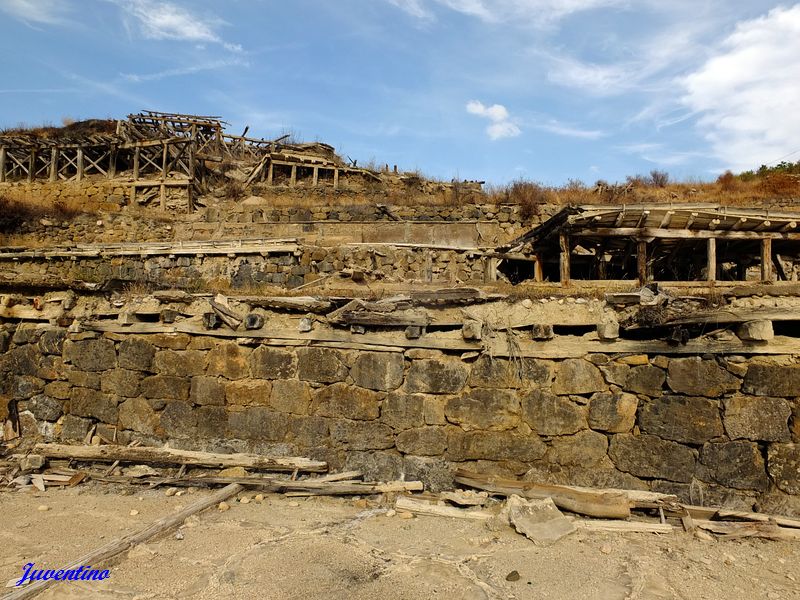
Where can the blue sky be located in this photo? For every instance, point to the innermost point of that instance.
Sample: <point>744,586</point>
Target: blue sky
<point>477,89</point>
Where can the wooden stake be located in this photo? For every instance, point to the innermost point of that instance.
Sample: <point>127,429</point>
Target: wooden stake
<point>564,258</point>
<point>96,557</point>
<point>2,164</point>
<point>80,164</point>
<point>136,154</point>
<point>641,261</point>
<point>293,178</point>
<point>766,259</point>
<point>538,275</point>
<point>316,176</point>
<point>711,252</point>
<point>54,164</point>
<point>336,179</point>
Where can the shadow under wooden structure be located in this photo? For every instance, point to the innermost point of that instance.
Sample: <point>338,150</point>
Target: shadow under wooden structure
<point>669,243</point>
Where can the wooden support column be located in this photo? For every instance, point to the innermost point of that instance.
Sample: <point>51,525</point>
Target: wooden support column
<point>31,165</point>
<point>766,259</point>
<point>270,173</point>
<point>489,269</point>
<point>136,153</point>
<point>641,261</point>
<point>112,162</point>
<point>316,176</point>
<point>80,164</point>
<point>163,196</point>
<point>54,164</point>
<point>164,158</point>
<point>711,254</point>
<point>335,179</point>
<point>2,164</point>
<point>563,240</point>
<point>538,275</point>
<point>293,178</point>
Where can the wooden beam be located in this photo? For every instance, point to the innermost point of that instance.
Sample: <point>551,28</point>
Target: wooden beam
<point>54,164</point>
<point>711,259</point>
<point>31,164</point>
<point>641,261</point>
<point>270,173</point>
<point>315,176</point>
<point>179,457</point>
<point>538,275</point>
<point>112,162</point>
<point>682,234</point>
<point>115,547</point>
<point>2,164</point>
<point>293,177</point>
<point>766,259</point>
<point>136,155</point>
<point>80,164</point>
<point>564,258</point>
<point>335,178</point>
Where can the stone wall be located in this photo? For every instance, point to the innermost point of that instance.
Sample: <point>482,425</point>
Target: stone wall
<point>243,272</point>
<point>722,430</point>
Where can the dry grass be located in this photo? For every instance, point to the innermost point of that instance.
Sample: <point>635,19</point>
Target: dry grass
<point>15,213</point>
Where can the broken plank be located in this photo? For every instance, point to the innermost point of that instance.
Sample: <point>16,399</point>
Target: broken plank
<point>146,454</point>
<point>436,510</point>
<point>739,529</point>
<point>96,557</point>
<point>711,513</point>
<point>622,526</point>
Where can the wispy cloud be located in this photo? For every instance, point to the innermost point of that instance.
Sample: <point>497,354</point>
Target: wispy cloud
<point>41,12</point>
<point>501,125</point>
<point>159,20</point>
<point>553,126</point>
<point>661,155</point>
<point>747,91</point>
<point>181,71</point>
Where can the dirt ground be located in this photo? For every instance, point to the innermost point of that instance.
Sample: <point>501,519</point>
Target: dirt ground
<point>297,548</point>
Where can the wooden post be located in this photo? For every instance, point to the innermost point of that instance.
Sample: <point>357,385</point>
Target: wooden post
<point>563,240</point>
<point>164,161</point>
<point>489,269</point>
<point>31,165</point>
<point>54,164</point>
<point>270,173</point>
<point>766,259</point>
<point>335,178</point>
<point>80,164</point>
<point>538,275</point>
<point>316,176</point>
<point>293,178</point>
<point>2,164</point>
<point>163,196</point>
<point>112,162</point>
<point>711,252</point>
<point>641,261</point>
<point>136,152</point>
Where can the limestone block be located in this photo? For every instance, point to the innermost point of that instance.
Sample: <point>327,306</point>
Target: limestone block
<point>26,386</point>
<point>179,419</point>
<point>615,373</point>
<point>272,363</point>
<point>348,402</point>
<point>121,382</point>
<point>183,363</point>
<point>84,379</point>
<point>487,409</point>
<point>91,403</point>
<point>690,420</point>
<point>608,331</point>
<point>422,441</point>
<point>136,354</point>
<point>170,341</point>
<point>45,408</point>
<point>229,360</point>
<point>321,365</point>
<point>291,396</point>
<point>650,456</point>
<point>646,379</point>
<point>756,331</point>
<point>91,355</point>
<point>697,377</point>
<point>258,423</point>
<point>577,376</point>
<point>361,435</point>
<point>52,341</point>
<point>548,414</point>
<point>736,464</point>
<point>405,411</point>
<point>585,448</point>
<point>436,377</point>
<point>472,330</point>
<point>783,461</point>
<point>165,387</point>
<point>541,332</point>
<point>207,390</point>
<point>58,389</point>
<point>248,392</point>
<point>378,370</point>
<point>75,428</point>
<point>489,445</point>
<point>212,422</point>
<point>614,412</point>
<point>757,418</point>
<point>772,380</point>
<point>138,415</point>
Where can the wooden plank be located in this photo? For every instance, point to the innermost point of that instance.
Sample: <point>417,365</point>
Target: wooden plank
<point>683,234</point>
<point>590,503</point>
<point>96,557</point>
<point>641,261</point>
<point>2,164</point>
<point>711,259</point>
<point>711,513</point>
<point>144,454</point>
<point>622,526</point>
<point>80,164</point>
<point>311,487</point>
<point>766,259</point>
<point>54,164</point>
<point>732,529</point>
<point>564,258</point>
<point>424,508</point>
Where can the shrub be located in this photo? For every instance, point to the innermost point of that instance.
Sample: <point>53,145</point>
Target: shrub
<point>727,181</point>
<point>529,195</point>
<point>658,178</point>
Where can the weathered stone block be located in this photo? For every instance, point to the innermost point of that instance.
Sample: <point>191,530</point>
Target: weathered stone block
<point>258,423</point>
<point>433,409</point>
<point>577,376</point>
<point>272,363</point>
<point>697,377</point>
<point>179,363</point>
<point>378,370</point>
<point>290,396</point>
<point>491,372</point>
<point>52,341</point>
<point>477,445</point>
<point>84,379</point>
<point>682,419</point>
<point>308,431</point>
<point>376,466</point>
<point>23,360</point>
<point>91,403</point>
<point>26,386</point>
<point>362,435</point>
<point>548,414</point>
<point>783,461</point>
<point>435,377</point>
<point>646,379</point>
<point>404,411</point>
<point>207,391</point>
<point>91,355</point>
<point>136,354</point>
<point>137,414</point>
<point>121,382</point>
<point>614,412</point>
<point>734,464</point>
<point>75,428</point>
<point>757,418</point>
<point>321,365</point>
<point>58,389</point>
<point>435,473</point>
<point>756,331</point>
<point>585,448</point>
<point>212,422</point>
<point>171,341</point>
<point>772,380</point>
<point>179,419</point>
<point>488,409</point>
<point>650,456</point>
<point>248,392</point>
<point>45,408</point>
<point>165,387</point>
<point>228,360</point>
<point>616,373</point>
<point>348,402</point>
<point>422,441</point>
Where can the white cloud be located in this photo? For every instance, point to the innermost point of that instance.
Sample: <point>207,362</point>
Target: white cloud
<point>557,128</point>
<point>540,12</point>
<point>45,12</point>
<point>180,71</point>
<point>501,125</point>
<point>415,8</point>
<point>161,20</point>
<point>747,91</point>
